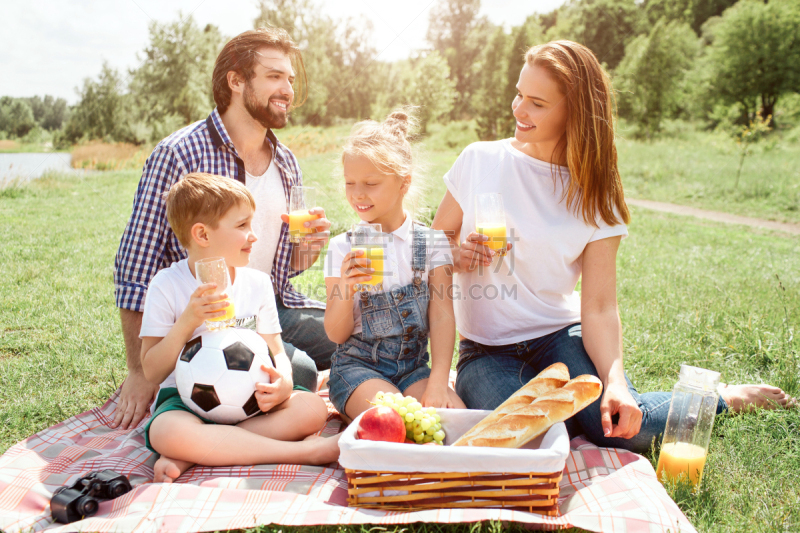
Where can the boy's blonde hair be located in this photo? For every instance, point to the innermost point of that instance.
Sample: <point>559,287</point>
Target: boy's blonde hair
<point>204,198</point>
<point>387,147</point>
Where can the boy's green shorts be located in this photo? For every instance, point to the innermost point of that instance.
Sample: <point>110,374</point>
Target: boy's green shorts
<point>168,399</point>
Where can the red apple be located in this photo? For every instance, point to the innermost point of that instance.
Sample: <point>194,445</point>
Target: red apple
<point>382,423</point>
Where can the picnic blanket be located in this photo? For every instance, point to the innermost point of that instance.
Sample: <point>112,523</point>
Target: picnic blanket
<point>602,489</point>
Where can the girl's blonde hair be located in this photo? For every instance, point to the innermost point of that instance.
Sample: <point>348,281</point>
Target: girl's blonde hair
<point>386,144</point>
<point>595,185</point>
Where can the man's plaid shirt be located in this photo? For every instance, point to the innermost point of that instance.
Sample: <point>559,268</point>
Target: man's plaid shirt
<point>148,243</point>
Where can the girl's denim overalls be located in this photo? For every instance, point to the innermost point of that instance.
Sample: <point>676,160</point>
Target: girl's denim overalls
<point>393,343</point>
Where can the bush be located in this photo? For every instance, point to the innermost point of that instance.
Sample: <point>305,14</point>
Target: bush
<point>16,117</point>
<point>651,76</point>
<point>445,137</point>
<point>98,155</point>
<point>753,59</point>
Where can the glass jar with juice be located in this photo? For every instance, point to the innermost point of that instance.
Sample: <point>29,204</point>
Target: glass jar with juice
<point>684,447</point>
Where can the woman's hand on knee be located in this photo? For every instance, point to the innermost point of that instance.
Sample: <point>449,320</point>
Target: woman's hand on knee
<point>617,400</point>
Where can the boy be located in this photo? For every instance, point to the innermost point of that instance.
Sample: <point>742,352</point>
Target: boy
<point>211,216</point>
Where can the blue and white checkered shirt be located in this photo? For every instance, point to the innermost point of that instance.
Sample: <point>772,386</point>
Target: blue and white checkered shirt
<point>148,243</point>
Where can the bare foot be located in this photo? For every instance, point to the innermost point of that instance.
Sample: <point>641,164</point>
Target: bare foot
<point>323,450</point>
<point>745,397</point>
<point>167,470</point>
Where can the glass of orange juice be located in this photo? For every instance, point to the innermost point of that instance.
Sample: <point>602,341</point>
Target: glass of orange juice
<point>372,240</point>
<point>490,220</point>
<point>301,200</point>
<point>215,270</point>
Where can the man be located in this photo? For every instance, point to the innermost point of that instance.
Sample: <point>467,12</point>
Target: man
<point>253,89</point>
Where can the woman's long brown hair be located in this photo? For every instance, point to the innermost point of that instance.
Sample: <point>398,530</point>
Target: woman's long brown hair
<point>595,186</point>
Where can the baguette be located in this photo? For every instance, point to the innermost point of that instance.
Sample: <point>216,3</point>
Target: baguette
<point>552,377</point>
<point>525,424</point>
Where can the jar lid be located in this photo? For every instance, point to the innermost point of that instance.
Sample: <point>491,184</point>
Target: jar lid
<point>699,377</point>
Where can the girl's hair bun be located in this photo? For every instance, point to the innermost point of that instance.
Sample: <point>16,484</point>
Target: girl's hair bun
<point>401,122</point>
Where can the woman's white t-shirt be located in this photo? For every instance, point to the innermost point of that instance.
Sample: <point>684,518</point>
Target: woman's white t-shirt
<point>396,262</point>
<point>530,292</point>
<point>270,198</point>
<point>170,290</point>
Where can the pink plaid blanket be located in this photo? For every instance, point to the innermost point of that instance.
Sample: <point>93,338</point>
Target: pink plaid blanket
<point>602,489</point>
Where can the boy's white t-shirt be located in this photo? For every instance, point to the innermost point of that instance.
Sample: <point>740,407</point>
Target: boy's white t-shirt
<point>530,292</point>
<point>397,259</point>
<point>171,288</point>
<point>270,198</point>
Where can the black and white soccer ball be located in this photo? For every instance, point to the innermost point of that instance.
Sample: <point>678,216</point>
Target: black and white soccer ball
<point>217,373</point>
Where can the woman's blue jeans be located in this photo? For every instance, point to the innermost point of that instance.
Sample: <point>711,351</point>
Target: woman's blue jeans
<point>488,375</point>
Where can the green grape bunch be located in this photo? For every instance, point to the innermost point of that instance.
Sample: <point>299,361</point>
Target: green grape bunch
<point>423,424</point>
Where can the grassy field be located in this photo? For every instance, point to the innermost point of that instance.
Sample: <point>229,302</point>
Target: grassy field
<point>720,297</point>
<point>699,169</point>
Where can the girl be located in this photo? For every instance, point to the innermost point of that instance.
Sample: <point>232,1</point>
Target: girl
<point>383,335</point>
<point>564,203</point>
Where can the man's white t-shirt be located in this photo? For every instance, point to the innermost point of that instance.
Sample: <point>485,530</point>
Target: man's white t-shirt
<point>396,262</point>
<point>270,198</point>
<point>530,292</point>
<point>171,289</point>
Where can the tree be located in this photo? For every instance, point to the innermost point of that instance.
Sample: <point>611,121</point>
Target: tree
<point>523,38</point>
<point>175,75</point>
<point>650,77</point>
<point>291,15</point>
<point>431,88</point>
<point>457,32</point>
<point>754,58</point>
<point>393,79</point>
<point>489,101</point>
<point>48,112</point>
<point>603,26</point>
<point>314,34</point>
<point>337,55</point>
<point>693,12</point>
<point>99,113</point>
<point>16,117</point>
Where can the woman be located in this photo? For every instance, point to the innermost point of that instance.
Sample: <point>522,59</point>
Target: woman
<point>565,206</point>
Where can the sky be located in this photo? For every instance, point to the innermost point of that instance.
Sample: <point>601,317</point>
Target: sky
<point>51,46</point>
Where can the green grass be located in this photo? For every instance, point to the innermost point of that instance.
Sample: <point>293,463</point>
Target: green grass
<point>699,169</point>
<point>720,297</point>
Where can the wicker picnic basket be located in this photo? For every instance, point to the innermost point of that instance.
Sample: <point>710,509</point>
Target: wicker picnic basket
<point>392,476</point>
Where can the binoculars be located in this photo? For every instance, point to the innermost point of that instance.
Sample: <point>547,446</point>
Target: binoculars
<point>79,501</point>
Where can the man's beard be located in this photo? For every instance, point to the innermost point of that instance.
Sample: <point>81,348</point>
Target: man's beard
<point>263,114</point>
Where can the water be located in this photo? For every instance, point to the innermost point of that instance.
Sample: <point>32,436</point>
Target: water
<point>27,166</point>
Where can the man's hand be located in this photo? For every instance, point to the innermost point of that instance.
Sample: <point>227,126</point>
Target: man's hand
<point>268,395</point>
<point>618,400</point>
<point>321,226</point>
<point>134,399</point>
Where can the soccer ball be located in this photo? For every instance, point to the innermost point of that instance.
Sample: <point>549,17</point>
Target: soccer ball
<point>217,373</point>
